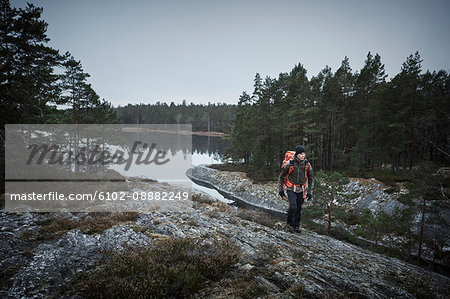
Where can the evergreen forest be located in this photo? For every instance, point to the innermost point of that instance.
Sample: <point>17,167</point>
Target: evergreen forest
<point>348,121</point>
<point>212,117</point>
<point>38,84</point>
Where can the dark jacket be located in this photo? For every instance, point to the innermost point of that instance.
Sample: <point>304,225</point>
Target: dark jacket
<point>297,176</point>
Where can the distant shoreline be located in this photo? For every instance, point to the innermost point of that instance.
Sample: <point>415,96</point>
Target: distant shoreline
<point>181,132</point>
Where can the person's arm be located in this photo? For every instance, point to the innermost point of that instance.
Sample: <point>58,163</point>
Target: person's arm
<point>283,173</point>
<point>310,179</point>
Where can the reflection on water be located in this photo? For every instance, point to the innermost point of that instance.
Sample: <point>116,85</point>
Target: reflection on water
<point>205,150</point>
<point>205,158</point>
<point>46,160</point>
<point>208,150</point>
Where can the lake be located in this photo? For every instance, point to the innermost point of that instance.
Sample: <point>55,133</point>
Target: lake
<point>208,150</point>
<point>205,150</point>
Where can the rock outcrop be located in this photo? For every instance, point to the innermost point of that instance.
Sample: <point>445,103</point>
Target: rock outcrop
<point>239,187</point>
<point>274,263</point>
<point>370,194</point>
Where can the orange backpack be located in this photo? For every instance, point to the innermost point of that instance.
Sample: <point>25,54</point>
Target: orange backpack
<point>288,158</point>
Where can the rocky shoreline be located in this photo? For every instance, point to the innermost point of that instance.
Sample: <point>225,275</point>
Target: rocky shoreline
<point>273,263</point>
<point>238,201</point>
<point>370,194</point>
<point>237,186</point>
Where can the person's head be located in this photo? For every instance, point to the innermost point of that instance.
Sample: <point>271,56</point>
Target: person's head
<point>300,152</point>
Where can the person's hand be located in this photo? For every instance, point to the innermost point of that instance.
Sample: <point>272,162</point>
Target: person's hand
<point>281,193</point>
<point>308,196</point>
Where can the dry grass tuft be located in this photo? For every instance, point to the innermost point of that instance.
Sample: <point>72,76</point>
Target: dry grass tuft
<point>258,217</point>
<point>202,199</point>
<point>51,228</point>
<point>171,268</point>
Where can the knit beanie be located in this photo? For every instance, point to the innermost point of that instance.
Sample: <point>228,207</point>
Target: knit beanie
<point>299,149</point>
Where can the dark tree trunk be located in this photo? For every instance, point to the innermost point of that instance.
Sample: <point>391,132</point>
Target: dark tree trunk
<point>330,206</point>
<point>422,225</point>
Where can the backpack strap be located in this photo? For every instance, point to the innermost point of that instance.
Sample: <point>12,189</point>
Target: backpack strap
<point>306,169</point>
<point>306,177</point>
<point>291,167</point>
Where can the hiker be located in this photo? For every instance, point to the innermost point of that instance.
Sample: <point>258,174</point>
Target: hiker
<point>295,175</point>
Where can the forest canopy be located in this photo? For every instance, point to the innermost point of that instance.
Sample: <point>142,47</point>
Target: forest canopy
<point>212,117</point>
<point>346,120</point>
<point>38,84</point>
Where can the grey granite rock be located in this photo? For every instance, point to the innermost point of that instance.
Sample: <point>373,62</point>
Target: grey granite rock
<point>323,267</point>
<point>56,263</point>
<point>237,185</point>
<point>371,192</point>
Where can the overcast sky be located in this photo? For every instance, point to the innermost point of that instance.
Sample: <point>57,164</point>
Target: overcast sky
<point>141,51</point>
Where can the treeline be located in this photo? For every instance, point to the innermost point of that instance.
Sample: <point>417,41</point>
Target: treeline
<point>37,83</point>
<point>348,121</point>
<point>211,117</point>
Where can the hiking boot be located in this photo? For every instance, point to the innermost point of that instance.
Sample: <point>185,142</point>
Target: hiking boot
<point>291,229</point>
<point>297,230</point>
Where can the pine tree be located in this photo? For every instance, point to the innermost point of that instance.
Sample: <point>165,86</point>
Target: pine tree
<point>74,86</point>
<point>263,162</point>
<point>368,119</point>
<point>242,133</point>
<point>374,225</point>
<point>27,80</point>
<point>280,118</point>
<point>434,119</point>
<point>330,189</point>
<point>405,104</point>
<point>79,95</point>
<point>344,91</point>
<point>297,94</point>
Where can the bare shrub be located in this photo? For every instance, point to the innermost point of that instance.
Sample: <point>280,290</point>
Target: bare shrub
<point>258,217</point>
<point>171,268</point>
<point>51,228</point>
<point>202,199</point>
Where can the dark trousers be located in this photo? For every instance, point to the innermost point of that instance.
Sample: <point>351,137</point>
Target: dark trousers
<point>295,208</point>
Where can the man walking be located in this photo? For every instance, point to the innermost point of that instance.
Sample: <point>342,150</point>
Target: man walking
<point>299,174</point>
